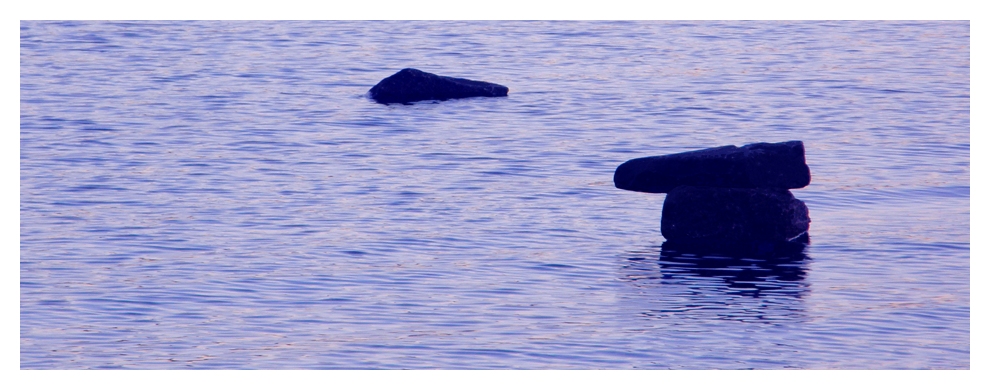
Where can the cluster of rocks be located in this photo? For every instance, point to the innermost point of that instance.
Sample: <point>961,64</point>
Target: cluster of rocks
<point>726,196</point>
<point>412,85</point>
<point>729,196</point>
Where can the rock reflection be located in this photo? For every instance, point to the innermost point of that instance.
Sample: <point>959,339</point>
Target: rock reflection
<point>765,285</point>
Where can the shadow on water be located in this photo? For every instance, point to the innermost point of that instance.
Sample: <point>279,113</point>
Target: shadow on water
<point>752,284</point>
<point>745,271</point>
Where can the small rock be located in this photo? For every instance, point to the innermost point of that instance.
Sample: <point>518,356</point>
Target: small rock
<point>760,165</point>
<point>410,85</point>
<point>732,216</point>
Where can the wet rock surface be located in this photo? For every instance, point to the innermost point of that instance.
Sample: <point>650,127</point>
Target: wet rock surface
<point>411,85</point>
<point>759,165</point>
<point>732,216</point>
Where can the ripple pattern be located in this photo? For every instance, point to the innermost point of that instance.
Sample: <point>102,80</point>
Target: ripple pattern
<point>224,195</point>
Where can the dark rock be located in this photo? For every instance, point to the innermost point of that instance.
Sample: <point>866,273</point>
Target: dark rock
<point>703,252</point>
<point>732,217</point>
<point>761,165</point>
<point>410,85</point>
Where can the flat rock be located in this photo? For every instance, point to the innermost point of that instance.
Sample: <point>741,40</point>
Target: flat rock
<point>410,85</point>
<point>759,165</point>
<point>732,216</point>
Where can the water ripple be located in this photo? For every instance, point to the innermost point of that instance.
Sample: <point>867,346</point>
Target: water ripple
<point>224,195</point>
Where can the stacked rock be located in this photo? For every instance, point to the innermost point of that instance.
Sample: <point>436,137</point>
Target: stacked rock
<point>726,196</point>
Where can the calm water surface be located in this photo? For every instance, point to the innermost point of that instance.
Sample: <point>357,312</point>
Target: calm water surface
<point>224,195</point>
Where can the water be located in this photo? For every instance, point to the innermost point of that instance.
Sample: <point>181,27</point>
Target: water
<point>219,195</point>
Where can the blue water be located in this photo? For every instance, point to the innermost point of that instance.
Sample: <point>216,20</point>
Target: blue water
<point>218,195</point>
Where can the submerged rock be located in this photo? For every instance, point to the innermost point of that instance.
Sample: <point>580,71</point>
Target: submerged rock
<point>410,85</point>
<point>760,165</point>
<point>705,254</point>
<point>732,217</point>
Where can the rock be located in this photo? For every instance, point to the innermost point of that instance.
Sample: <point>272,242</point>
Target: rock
<point>704,252</point>
<point>742,217</point>
<point>410,85</point>
<point>760,165</point>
